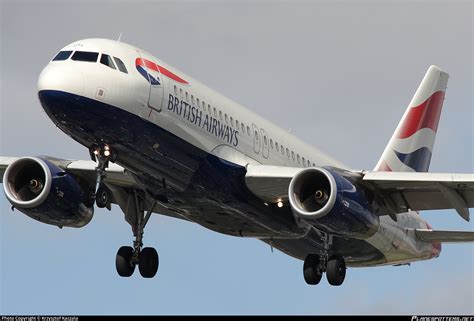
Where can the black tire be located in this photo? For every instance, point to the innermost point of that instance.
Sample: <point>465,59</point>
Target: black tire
<point>336,271</point>
<point>102,197</point>
<point>89,198</point>
<point>123,261</point>
<point>311,271</point>
<point>148,262</point>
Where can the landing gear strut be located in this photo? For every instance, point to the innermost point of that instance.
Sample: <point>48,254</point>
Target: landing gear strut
<point>316,264</point>
<point>102,154</point>
<point>129,257</point>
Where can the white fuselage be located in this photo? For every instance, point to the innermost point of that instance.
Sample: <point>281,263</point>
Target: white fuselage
<point>211,122</point>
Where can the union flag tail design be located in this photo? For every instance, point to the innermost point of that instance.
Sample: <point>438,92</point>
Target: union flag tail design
<point>411,145</point>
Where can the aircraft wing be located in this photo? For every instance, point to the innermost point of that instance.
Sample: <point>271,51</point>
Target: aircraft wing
<point>402,191</point>
<point>119,181</point>
<point>444,236</point>
<point>425,191</point>
<point>116,174</point>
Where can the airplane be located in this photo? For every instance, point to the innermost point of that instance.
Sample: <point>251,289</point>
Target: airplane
<point>161,142</point>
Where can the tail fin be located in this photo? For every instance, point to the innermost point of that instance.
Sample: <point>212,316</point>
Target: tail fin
<point>411,145</point>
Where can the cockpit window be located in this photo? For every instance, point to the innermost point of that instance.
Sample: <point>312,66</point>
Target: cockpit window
<point>107,60</point>
<point>62,55</point>
<point>85,56</point>
<point>120,65</point>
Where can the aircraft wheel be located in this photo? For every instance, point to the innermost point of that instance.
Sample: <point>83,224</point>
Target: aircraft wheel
<point>336,271</point>
<point>102,197</point>
<point>148,262</point>
<point>311,270</point>
<point>123,261</point>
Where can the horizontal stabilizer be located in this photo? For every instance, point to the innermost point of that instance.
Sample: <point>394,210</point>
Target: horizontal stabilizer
<point>445,236</point>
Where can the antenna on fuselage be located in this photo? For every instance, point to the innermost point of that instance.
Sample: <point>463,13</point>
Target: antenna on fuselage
<point>119,37</point>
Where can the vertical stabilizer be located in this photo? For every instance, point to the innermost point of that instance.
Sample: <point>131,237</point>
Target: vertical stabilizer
<point>411,145</point>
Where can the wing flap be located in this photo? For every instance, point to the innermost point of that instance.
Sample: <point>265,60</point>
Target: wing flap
<point>425,191</point>
<point>445,236</point>
<point>270,183</point>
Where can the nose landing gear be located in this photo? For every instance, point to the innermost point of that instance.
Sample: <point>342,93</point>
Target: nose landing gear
<point>102,154</point>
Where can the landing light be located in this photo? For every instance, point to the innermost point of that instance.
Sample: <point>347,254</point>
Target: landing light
<point>96,152</point>
<point>106,152</point>
<point>280,204</point>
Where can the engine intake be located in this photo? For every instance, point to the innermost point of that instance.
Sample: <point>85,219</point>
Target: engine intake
<point>332,202</point>
<point>46,193</point>
<point>312,193</point>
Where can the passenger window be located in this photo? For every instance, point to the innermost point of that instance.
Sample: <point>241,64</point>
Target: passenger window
<point>187,96</point>
<point>215,112</point>
<point>220,115</point>
<point>62,55</point>
<point>120,65</point>
<point>309,163</point>
<point>85,56</point>
<point>243,128</point>
<point>298,158</point>
<point>293,155</point>
<point>271,143</point>
<point>192,99</point>
<point>175,90</point>
<point>197,102</point>
<point>209,108</point>
<point>303,161</point>
<point>181,92</point>
<point>248,130</point>
<point>265,141</point>
<point>232,121</point>
<point>107,60</point>
<point>282,150</point>
<point>276,146</point>
<point>226,118</point>
<point>237,124</point>
<point>287,153</point>
<point>314,165</point>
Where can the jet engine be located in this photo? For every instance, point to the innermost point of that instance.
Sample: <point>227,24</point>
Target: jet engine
<point>329,199</point>
<point>46,193</point>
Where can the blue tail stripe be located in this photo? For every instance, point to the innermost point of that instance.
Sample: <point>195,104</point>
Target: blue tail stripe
<point>418,160</point>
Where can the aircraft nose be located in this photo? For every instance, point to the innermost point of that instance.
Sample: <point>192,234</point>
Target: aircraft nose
<point>60,76</point>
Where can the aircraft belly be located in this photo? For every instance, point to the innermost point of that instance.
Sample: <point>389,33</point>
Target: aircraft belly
<point>209,191</point>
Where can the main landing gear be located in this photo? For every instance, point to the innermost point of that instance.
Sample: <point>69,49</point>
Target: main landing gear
<point>127,257</point>
<point>316,264</point>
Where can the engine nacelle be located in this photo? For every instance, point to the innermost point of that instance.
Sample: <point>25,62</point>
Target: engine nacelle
<point>46,193</point>
<point>328,200</point>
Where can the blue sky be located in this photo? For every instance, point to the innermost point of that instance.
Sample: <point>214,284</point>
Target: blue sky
<point>338,74</point>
